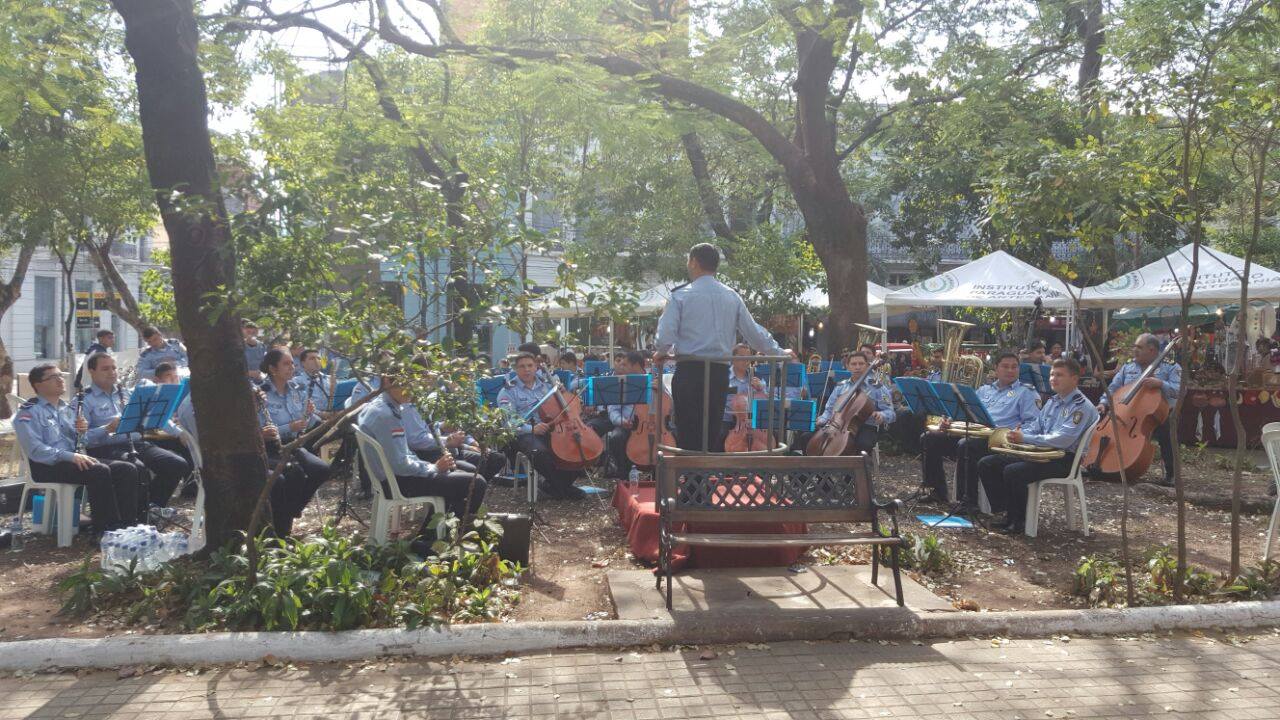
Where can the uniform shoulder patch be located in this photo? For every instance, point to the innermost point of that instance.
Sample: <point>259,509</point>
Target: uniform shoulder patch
<point>1077,416</point>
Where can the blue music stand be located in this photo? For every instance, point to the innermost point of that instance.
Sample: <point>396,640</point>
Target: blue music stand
<point>795,374</point>
<point>616,390</point>
<point>594,368</point>
<point>342,392</point>
<point>149,408</point>
<point>975,411</point>
<point>920,396</point>
<point>801,415</point>
<point>950,401</point>
<point>821,384</point>
<point>566,377</point>
<point>488,388</point>
<point>1037,376</point>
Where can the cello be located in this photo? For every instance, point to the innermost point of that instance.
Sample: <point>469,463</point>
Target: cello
<point>742,438</point>
<point>573,443</point>
<point>642,446</point>
<point>836,437</point>
<point>1126,429</point>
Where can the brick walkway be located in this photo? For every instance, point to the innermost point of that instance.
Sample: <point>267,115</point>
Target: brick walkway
<point>1028,679</point>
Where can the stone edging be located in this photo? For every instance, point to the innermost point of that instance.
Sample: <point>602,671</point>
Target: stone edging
<point>506,638</point>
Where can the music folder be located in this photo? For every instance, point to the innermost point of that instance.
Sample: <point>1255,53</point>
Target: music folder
<point>801,414</point>
<point>603,390</point>
<point>149,408</point>
<point>920,396</point>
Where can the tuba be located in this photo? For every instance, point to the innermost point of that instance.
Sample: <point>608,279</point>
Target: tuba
<point>956,368</point>
<point>871,335</point>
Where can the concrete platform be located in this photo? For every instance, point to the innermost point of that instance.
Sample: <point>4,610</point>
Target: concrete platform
<point>840,595</point>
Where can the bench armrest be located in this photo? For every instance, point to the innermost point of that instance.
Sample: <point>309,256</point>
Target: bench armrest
<point>892,507</point>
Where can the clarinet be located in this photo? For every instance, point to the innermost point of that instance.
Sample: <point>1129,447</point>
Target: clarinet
<point>81,445</point>
<point>260,401</point>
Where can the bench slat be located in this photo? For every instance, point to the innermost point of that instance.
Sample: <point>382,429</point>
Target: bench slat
<point>768,514</point>
<point>779,539</point>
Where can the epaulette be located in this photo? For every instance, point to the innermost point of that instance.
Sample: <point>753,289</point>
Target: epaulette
<point>681,286</point>
<point>29,403</point>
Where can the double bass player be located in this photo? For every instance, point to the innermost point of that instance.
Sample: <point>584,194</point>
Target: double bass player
<point>1166,377</point>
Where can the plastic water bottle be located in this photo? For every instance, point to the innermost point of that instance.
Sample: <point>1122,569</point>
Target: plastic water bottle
<point>633,479</point>
<point>17,534</point>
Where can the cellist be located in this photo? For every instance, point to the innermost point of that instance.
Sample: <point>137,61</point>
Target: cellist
<point>1167,377</point>
<point>742,381</point>
<point>869,432</point>
<point>623,417</point>
<point>519,399</point>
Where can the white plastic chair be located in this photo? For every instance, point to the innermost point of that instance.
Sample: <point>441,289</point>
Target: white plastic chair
<point>59,502</point>
<point>1271,443</point>
<point>387,499</point>
<point>1072,487</point>
<point>196,540</point>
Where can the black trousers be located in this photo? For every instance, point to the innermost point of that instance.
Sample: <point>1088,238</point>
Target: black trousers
<point>544,461</point>
<point>694,419</point>
<point>452,486</point>
<point>1006,480</point>
<point>488,464</point>
<point>112,487</point>
<point>301,478</point>
<point>601,423</point>
<point>616,445</point>
<point>965,451</point>
<point>161,470</point>
<point>1166,446</point>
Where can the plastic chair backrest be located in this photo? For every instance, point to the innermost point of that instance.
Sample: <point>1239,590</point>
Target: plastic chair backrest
<point>488,388</point>
<point>1271,443</point>
<point>1082,448</point>
<point>371,450</point>
<point>192,446</point>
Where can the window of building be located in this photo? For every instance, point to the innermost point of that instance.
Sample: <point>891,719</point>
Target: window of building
<point>84,334</point>
<point>45,340</point>
<point>899,279</point>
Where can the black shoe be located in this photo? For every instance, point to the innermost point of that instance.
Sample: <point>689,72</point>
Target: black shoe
<point>937,497</point>
<point>1165,481</point>
<point>421,547</point>
<point>503,481</point>
<point>1011,529</point>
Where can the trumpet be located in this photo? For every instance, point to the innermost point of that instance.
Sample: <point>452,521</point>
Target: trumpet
<point>999,443</point>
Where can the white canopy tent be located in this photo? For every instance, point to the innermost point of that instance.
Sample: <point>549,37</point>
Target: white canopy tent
<point>651,300</point>
<point>998,280</point>
<point>814,297</point>
<point>1163,282</point>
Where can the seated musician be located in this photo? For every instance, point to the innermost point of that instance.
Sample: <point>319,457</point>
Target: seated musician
<point>936,361</point>
<point>287,414</point>
<point>1059,424</point>
<point>382,418</point>
<point>47,429</point>
<point>184,417</point>
<point>426,440</point>
<point>1166,377</point>
<point>312,377</point>
<point>623,418</point>
<point>519,399</point>
<point>1035,352</point>
<point>159,349</point>
<point>104,401</point>
<point>869,432</point>
<point>1010,403</point>
<point>742,382</point>
<point>254,349</point>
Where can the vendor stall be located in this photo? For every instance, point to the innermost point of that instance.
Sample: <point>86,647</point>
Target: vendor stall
<point>1204,416</point>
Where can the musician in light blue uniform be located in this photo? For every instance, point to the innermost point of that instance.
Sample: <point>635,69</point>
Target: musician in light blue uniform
<point>519,399</point>
<point>1060,424</point>
<point>869,432</point>
<point>742,383</point>
<point>1010,403</point>
<point>46,427</point>
<point>1166,377</point>
<point>254,349</point>
<point>622,418</point>
<point>159,349</point>
<point>291,413</point>
<point>936,360</point>
<point>104,401</point>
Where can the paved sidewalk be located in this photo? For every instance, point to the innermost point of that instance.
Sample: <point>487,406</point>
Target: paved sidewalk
<point>1184,676</point>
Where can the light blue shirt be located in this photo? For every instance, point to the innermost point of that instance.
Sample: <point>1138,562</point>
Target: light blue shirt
<point>740,386</point>
<point>287,407</point>
<point>254,354</point>
<point>621,415</point>
<point>1010,406</point>
<point>1168,373</point>
<point>878,393</point>
<point>46,432</point>
<point>1061,422</point>
<point>381,419</point>
<point>100,408</point>
<point>705,317</point>
<point>317,389</point>
<point>361,389</point>
<point>518,399</point>
<point>185,416</point>
<point>417,433</point>
<point>171,352</point>
<point>934,376</point>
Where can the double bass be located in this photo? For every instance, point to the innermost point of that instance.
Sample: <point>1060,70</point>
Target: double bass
<point>573,443</point>
<point>742,438</point>
<point>642,446</point>
<point>1125,431</point>
<point>836,437</point>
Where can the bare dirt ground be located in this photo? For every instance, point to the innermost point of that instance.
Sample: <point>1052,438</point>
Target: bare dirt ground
<point>581,541</point>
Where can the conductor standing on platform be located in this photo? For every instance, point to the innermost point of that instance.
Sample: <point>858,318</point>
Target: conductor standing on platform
<point>704,318</point>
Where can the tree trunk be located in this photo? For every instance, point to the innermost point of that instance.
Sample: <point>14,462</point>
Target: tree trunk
<point>837,228</point>
<point>68,321</point>
<point>120,298</point>
<point>163,40</point>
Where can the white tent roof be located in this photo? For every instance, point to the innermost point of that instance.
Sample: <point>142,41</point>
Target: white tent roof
<point>651,300</point>
<point>998,280</point>
<point>1159,283</point>
<point>815,297</point>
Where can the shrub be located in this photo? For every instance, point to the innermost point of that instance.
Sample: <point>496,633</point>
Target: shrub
<point>923,553</point>
<point>1259,582</point>
<point>326,582</point>
<point>1100,579</point>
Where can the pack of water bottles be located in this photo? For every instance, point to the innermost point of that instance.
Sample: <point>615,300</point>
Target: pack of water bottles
<point>143,544</point>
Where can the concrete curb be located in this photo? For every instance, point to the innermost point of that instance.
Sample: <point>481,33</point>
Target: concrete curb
<point>697,628</point>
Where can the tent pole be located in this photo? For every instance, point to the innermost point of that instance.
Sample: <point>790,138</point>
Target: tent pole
<point>884,325</point>
<point>610,358</point>
<point>800,335</point>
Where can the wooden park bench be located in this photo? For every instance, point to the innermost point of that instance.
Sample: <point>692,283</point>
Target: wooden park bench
<point>769,490</point>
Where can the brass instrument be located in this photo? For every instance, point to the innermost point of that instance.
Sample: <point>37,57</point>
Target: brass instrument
<point>959,428</point>
<point>956,368</point>
<point>870,335</point>
<point>815,364</point>
<point>999,443</point>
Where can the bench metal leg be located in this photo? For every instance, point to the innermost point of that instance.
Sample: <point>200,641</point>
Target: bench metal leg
<point>897,577</point>
<point>875,564</point>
